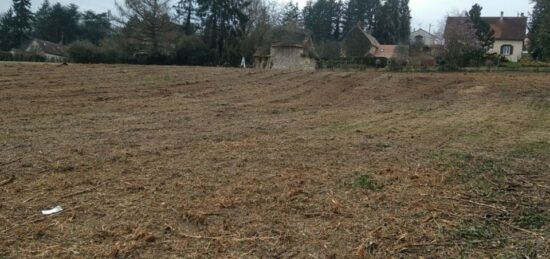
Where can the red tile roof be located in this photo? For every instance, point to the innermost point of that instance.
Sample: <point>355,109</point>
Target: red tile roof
<point>385,51</point>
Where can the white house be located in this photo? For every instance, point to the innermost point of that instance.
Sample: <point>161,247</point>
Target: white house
<point>52,52</point>
<point>422,36</point>
<point>510,33</point>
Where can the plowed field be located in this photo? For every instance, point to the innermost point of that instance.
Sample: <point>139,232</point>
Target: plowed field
<point>185,162</point>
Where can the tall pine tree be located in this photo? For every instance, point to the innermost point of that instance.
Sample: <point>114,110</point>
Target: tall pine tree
<point>15,25</point>
<point>57,23</point>
<point>539,35</point>
<point>6,30</point>
<point>404,28</point>
<point>291,14</point>
<point>484,33</point>
<point>224,23</point>
<point>324,19</point>
<point>94,27</point>
<point>361,11</point>
<point>22,21</point>
<point>393,22</point>
<point>187,9</point>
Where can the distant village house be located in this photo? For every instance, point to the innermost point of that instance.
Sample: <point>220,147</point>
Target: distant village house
<point>510,34</point>
<point>359,43</point>
<point>52,52</point>
<point>422,36</point>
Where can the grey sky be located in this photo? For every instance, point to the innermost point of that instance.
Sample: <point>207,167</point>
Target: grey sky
<point>424,12</point>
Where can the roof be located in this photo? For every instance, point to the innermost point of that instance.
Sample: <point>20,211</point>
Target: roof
<point>359,43</point>
<point>506,28</point>
<point>422,30</point>
<point>369,36</point>
<point>385,51</point>
<point>51,48</point>
<point>285,37</point>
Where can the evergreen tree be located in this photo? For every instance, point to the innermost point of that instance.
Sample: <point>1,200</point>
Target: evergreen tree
<point>393,21</point>
<point>337,15</point>
<point>187,9</point>
<point>15,25</point>
<point>387,23</point>
<point>6,30</point>
<point>484,33</point>
<point>57,23</point>
<point>324,19</point>
<point>404,21</point>
<point>291,14</point>
<point>539,35</point>
<point>22,20</point>
<point>94,27</point>
<point>361,11</point>
<point>41,18</point>
<point>224,23</point>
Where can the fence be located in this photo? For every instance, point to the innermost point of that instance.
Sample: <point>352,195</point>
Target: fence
<point>359,63</point>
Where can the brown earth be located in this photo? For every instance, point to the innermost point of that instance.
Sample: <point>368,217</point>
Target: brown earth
<point>151,161</point>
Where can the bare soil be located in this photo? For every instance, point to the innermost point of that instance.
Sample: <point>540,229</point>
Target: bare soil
<point>168,162</point>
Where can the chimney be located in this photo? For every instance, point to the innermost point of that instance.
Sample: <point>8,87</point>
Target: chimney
<point>522,14</point>
<point>501,15</point>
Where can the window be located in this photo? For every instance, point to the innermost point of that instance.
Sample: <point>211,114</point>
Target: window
<point>507,50</point>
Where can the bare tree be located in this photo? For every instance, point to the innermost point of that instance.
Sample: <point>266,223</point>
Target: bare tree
<point>147,25</point>
<point>440,33</point>
<point>461,44</point>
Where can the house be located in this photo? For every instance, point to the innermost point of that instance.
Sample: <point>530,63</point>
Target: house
<point>510,33</point>
<point>52,52</point>
<point>359,43</point>
<point>288,49</point>
<point>422,36</point>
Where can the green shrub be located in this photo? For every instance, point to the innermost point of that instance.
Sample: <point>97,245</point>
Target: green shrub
<point>533,63</point>
<point>353,63</point>
<point>471,230</point>
<point>533,218</point>
<point>192,51</point>
<point>5,56</point>
<point>85,52</point>
<point>21,56</point>
<point>368,183</point>
<point>396,64</point>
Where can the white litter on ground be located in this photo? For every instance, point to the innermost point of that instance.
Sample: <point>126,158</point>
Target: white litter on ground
<point>52,210</point>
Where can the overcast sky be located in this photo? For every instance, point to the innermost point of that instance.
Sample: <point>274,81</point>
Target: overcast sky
<point>424,12</point>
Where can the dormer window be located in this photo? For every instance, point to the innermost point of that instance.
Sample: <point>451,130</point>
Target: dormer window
<point>507,50</point>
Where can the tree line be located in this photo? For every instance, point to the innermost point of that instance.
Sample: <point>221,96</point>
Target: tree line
<point>57,23</point>
<point>195,32</point>
<point>221,32</point>
<point>539,31</point>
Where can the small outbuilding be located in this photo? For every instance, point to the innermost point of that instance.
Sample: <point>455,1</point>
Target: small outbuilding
<point>52,52</point>
<point>288,49</point>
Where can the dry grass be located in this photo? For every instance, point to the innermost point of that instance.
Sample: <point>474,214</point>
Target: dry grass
<point>206,162</point>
